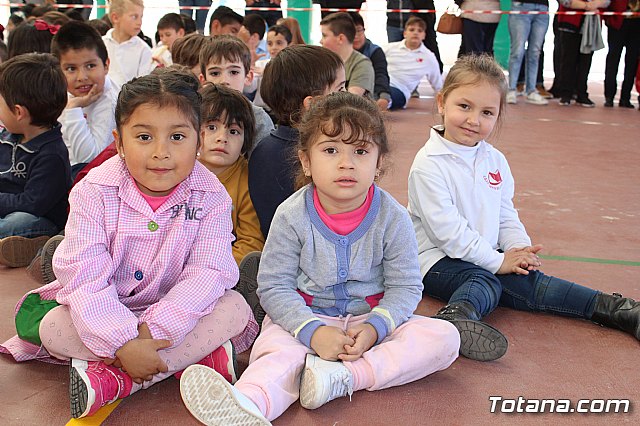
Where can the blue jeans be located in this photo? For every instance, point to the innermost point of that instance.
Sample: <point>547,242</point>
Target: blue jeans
<point>201,14</point>
<point>23,224</point>
<point>394,34</point>
<point>529,29</point>
<point>398,101</point>
<point>455,280</point>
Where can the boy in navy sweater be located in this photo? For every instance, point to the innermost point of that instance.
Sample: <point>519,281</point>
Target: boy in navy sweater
<point>35,174</point>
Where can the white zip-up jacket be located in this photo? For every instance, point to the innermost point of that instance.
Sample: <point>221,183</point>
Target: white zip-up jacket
<point>462,212</point>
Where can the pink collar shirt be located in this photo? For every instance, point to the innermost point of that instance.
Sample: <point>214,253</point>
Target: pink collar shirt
<point>122,264</point>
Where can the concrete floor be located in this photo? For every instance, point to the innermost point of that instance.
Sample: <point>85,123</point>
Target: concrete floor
<point>578,193</point>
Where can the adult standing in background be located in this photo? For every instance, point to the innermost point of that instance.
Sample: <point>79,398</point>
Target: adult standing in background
<point>624,32</point>
<point>342,4</point>
<point>529,29</point>
<point>479,30</point>
<point>201,14</point>
<point>270,16</point>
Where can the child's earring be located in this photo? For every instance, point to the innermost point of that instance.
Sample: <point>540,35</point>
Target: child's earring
<point>198,154</point>
<point>306,173</point>
<point>122,155</point>
<point>377,173</point>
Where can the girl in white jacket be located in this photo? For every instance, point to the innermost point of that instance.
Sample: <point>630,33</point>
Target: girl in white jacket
<point>474,252</point>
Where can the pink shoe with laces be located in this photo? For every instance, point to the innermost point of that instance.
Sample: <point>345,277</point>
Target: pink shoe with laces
<point>222,360</point>
<point>93,384</point>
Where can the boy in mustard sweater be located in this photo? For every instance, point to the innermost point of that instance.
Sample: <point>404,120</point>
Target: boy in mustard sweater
<point>228,134</point>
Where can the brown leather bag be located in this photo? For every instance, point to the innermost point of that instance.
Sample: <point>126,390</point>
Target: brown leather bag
<point>450,23</point>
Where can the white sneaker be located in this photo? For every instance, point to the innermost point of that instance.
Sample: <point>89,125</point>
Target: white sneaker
<point>512,97</point>
<point>213,401</point>
<point>536,99</point>
<point>323,381</point>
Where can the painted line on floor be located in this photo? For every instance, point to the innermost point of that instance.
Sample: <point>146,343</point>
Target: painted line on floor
<point>97,419</point>
<point>591,260</point>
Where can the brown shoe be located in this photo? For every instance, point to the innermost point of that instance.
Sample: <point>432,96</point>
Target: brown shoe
<point>543,92</point>
<point>34,270</point>
<point>16,252</point>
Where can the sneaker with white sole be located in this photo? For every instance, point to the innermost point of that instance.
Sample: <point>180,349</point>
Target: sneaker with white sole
<point>213,401</point>
<point>223,360</point>
<point>248,284</point>
<point>323,381</point>
<point>93,384</point>
<point>536,98</point>
<point>512,97</point>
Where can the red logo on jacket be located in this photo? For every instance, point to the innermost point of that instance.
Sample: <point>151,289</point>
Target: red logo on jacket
<point>494,179</point>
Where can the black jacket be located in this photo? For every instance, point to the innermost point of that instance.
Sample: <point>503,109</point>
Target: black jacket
<point>35,177</point>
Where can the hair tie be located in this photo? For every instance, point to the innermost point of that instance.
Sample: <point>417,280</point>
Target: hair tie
<point>44,26</point>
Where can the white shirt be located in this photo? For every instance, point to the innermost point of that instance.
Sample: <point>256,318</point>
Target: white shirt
<point>88,131</point>
<point>463,212</point>
<point>128,59</point>
<point>406,67</point>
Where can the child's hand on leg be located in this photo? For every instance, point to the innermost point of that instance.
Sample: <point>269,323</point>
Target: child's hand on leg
<point>140,359</point>
<point>365,336</point>
<point>329,342</point>
<point>517,261</point>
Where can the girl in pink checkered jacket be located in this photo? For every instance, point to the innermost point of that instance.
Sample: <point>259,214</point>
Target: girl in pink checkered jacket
<point>145,270</point>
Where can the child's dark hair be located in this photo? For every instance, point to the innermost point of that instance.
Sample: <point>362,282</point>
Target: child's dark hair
<point>74,14</point>
<point>189,24</point>
<point>4,53</point>
<point>36,82</point>
<point>163,88</point>
<point>355,119</point>
<point>415,20</point>
<point>473,69</point>
<point>226,47</point>
<point>16,18</point>
<point>297,72</point>
<point>171,20</point>
<point>225,15</point>
<point>27,38</point>
<point>54,17</point>
<point>357,18</point>
<point>255,24</point>
<point>219,101</point>
<point>341,23</point>
<point>282,30</point>
<point>186,50</point>
<point>78,35</point>
<point>100,25</point>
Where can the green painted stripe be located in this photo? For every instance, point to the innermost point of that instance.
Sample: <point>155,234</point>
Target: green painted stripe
<point>591,260</point>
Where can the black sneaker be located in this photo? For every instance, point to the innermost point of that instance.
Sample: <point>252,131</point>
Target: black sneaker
<point>608,102</point>
<point>625,104</point>
<point>564,101</point>
<point>478,341</point>
<point>248,284</point>
<point>585,102</point>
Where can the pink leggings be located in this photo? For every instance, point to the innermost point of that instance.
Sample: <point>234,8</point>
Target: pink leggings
<point>61,340</point>
<point>417,348</point>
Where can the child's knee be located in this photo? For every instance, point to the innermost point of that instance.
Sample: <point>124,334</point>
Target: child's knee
<point>52,322</point>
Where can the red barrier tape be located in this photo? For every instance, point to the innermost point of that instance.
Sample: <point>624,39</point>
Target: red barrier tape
<point>334,9</point>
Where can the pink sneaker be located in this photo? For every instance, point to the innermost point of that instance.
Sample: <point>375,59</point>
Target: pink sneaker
<point>93,384</point>
<point>222,360</point>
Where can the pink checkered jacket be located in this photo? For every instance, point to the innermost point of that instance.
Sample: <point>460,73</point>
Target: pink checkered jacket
<point>122,264</point>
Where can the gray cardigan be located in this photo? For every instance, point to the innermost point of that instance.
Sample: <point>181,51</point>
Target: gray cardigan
<point>306,269</point>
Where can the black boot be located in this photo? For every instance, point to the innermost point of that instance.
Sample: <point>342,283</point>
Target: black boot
<point>619,312</point>
<point>478,340</point>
